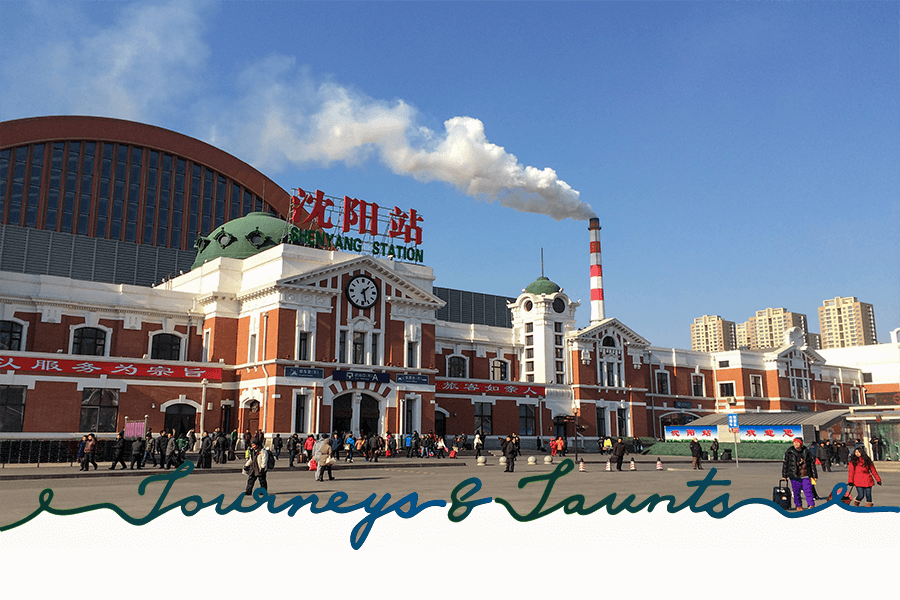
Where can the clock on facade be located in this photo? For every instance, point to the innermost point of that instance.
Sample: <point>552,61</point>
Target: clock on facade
<point>362,291</point>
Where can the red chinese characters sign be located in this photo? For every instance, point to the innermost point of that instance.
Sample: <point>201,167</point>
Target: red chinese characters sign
<point>89,366</point>
<point>358,215</point>
<point>499,389</point>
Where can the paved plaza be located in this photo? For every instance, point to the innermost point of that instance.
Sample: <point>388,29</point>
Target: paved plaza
<point>21,486</point>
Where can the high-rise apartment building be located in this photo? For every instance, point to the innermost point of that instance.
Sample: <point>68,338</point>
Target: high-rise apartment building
<point>846,322</point>
<point>742,336</point>
<point>766,328</point>
<point>712,333</point>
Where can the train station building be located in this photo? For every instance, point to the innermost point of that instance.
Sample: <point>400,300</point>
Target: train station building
<point>148,277</point>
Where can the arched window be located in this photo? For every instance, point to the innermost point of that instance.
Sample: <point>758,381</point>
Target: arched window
<point>609,342</point>
<point>166,346</point>
<point>457,367</point>
<point>10,336</point>
<point>89,341</point>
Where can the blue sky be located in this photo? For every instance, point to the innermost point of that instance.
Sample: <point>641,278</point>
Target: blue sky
<point>740,155</point>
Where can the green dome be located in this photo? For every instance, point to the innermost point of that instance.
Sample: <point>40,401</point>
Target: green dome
<point>542,285</point>
<point>241,238</point>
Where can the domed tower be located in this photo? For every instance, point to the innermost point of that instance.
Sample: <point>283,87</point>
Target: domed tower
<point>542,315</point>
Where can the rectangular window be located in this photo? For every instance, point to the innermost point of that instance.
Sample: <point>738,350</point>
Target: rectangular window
<point>529,327</point>
<point>207,349</point>
<point>697,385</point>
<point>499,370</point>
<point>529,353</point>
<point>854,396</point>
<point>601,421</point>
<point>726,390</point>
<point>558,340</point>
<point>376,354</point>
<point>526,419</point>
<point>529,340</point>
<point>251,350</point>
<point>662,382</point>
<point>723,364</point>
<point>529,366</point>
<point>10,336</point>
<point>611,374</point>
<point>559,366</point>
<point>483,417</point>
<point>412,355</point>
<point>756,386</point>
<point>359,348</point>
<point>303,345</point>
<point>559,353</point>
<point>342,347</point>
<point>99,410</point>
<point>12,408</point>
<point>299,413</point>
<point>835,394</point>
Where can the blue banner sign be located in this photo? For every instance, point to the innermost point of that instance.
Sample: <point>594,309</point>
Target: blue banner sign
<point>361,376</point>
<point>417,379</point>
<point>304,372</point>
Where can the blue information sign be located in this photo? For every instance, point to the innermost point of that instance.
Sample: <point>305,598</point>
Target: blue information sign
<point>304,372</point>
<point>733,421</point>
<point>417,379</point>
<point>361,376</point>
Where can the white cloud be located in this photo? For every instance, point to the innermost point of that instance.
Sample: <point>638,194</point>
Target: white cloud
<point>132,67</point>
<point>150,63</point>
<point>285,117</point>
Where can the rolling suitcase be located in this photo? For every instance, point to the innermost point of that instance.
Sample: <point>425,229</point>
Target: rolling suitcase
<point>781,495</point>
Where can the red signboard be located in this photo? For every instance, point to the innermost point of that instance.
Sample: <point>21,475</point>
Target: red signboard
<point>499,389</point>
<point>118,368</point>
<point>355,214</point>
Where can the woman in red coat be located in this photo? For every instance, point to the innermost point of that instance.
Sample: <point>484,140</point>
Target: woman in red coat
<point>863,475</point>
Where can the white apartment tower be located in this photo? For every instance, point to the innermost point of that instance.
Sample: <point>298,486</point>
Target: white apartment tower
<point>712,333</point>
<point>766,328</point>
<point>846,322</point>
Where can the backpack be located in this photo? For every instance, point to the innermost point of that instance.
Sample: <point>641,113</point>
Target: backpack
<point>270,460</point>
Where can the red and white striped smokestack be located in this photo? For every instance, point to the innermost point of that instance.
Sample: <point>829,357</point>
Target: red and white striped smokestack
<point>597,313</point>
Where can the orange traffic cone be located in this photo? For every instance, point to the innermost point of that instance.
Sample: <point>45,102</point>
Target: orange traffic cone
<point>659,466</point>
<point>581,468</point>
<point>632,467</point>
<point>607,466</point>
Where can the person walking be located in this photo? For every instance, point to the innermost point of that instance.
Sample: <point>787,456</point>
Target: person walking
<point>800,468</point>
<point>137,452</point>
<point>206,447</point>
<point>256,467</point>
<point>80,455</point>
<point>696,454</point>
<point>441,446</point>
<point>509,451</point>
<point>277,445</point>
<point>619,451</point>
<point>373,445</point>
<point>349,446</point>
<point>90,447</point>
<point>149,448</point>
<point>863,475</point>
<point>324,460</point>
<point>292,444</point>
<point>478,444</point>
<point>119,456</point>
<point>715,449</point>
<point>162,444</point>
<point>824,455</point>
<point>171,451</point>
<point>308,448</point>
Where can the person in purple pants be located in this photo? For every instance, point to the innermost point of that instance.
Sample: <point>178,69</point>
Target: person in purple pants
<point>800,468</point>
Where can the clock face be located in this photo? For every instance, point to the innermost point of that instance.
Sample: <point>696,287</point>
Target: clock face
<point>362,291</point>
